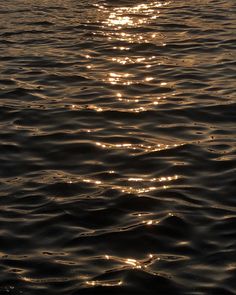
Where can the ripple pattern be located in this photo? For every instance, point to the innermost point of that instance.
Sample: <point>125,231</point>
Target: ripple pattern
<point>117,147</point>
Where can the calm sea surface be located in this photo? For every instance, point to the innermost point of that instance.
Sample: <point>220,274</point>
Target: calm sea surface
<point>117,147</point>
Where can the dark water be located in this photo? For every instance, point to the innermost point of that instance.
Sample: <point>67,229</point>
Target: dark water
<point>117,147</point>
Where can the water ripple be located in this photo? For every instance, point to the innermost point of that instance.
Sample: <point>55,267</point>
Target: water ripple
<point>117,147</point>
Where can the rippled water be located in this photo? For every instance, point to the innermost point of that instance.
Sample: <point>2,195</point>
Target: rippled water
<point>117,147</point>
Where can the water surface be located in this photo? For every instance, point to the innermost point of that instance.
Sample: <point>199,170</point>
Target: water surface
<point>117,147</point>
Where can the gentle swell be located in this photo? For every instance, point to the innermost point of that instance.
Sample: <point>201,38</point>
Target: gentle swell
<point>117,147</point>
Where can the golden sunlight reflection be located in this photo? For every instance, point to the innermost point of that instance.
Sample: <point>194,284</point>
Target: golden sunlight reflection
<point>145,185</point>
<point>168,178</point>
<point>128,79</point>
<point>140,104</point>
<point>158,38</point>
<point>151,222</point>
<point>134,60</point>
<point>119,78</point>
<point>92,181</point>
<point>137,147</point>
<point>104,283</point>
<point>134,263</point>
<point>133,105</point>
<point>123,102</point>
<point>125,17</point>
<point>133,16</point>
<point>133,185</point>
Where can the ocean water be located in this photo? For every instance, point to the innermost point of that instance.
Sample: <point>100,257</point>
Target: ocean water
<point>117,151</point>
